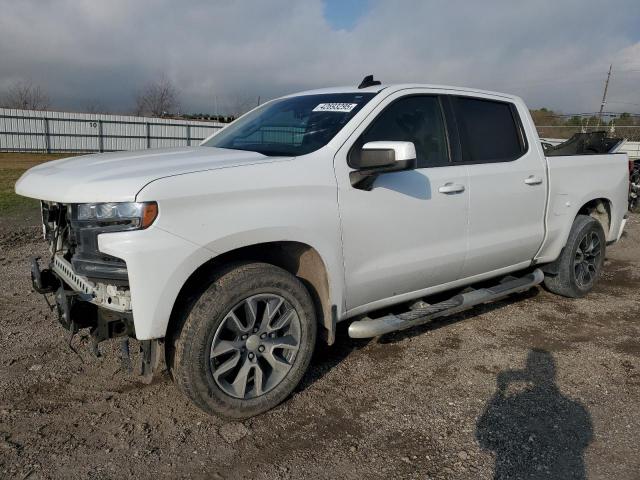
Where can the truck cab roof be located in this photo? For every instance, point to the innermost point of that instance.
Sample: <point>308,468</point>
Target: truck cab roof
<point>392,88</point>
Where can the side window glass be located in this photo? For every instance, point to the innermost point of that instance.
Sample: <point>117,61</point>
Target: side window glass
<point>488,129</point>
<point>416,119</point>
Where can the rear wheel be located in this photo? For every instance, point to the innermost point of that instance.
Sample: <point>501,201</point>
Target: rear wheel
<point>580,263</point>
<point>634,189</point>
<point>246,342</point>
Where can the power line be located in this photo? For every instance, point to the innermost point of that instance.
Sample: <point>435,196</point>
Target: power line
<point>546,82</point>
<point>591,114</point>
<point>586,126</point>
<point>590,79</point>
<point>624,103</point>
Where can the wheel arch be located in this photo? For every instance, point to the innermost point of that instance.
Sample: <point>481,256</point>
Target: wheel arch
<point>597,208</point>
<point>600,209</point>
<point>299,259</point>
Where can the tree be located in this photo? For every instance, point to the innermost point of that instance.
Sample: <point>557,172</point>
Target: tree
<point>575,121</point>
<point>157,98</point>
<point>545,117</point>
<point>240,104</point>
<point>94,107</point>
<point>625,119</point>
<point>26,96</point>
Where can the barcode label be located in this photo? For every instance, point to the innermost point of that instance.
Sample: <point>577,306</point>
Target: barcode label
<point>335,107</point>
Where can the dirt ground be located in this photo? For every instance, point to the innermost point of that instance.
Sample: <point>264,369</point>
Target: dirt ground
<point>533,387</point>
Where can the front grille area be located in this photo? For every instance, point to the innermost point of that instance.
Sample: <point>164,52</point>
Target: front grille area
<point>77,242</point>
<point>87,260</point>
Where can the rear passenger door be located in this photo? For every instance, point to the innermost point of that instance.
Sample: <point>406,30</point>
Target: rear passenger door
<point>507,185</point>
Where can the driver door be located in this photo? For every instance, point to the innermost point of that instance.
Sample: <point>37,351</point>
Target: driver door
<point>408,232</point>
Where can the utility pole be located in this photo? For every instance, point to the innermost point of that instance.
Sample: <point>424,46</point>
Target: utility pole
<point>604,95</point>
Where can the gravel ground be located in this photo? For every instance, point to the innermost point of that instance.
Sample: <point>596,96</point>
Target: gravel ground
<point>533,387</point>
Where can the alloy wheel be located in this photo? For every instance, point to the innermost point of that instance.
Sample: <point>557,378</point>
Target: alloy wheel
<point>587,259</point>
<point>255,346</point>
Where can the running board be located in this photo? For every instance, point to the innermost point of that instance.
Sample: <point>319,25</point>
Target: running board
<point>373,327</point>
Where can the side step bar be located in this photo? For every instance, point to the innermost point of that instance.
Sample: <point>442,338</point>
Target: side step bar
<point>373,327</point>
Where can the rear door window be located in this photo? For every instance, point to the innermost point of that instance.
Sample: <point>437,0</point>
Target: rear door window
<point>490,131</point>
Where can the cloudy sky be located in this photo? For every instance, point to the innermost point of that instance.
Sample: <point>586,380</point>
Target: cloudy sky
<point>554,53</point>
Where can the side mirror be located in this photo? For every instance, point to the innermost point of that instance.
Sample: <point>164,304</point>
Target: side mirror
<point>387,156</point>
<point>381,157</point>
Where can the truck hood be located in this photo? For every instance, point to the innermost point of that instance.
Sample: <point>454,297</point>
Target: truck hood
<point>119,176</point>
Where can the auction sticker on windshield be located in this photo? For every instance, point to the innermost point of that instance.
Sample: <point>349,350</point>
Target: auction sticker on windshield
<point>335,107</point>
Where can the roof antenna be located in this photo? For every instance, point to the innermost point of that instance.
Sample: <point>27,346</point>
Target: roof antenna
<point>368,81</point>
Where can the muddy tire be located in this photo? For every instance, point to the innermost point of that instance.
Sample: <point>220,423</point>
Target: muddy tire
<point>245,341</point>
<point>581,261</point>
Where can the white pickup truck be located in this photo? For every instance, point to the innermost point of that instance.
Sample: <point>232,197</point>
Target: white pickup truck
<point>312,209</point>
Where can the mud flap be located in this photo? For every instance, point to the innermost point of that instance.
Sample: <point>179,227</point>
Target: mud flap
<point>43,281</point>
<point>150,353</point>
<point>63,303</point>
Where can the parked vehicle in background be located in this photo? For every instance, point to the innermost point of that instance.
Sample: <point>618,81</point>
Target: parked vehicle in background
<point>584,144</point>
<point>634,185</point>
<point>316,208</point>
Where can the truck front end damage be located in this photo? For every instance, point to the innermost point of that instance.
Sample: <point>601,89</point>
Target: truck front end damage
<point>90,288</point>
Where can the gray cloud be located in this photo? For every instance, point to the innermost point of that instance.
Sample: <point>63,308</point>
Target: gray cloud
<point>553,53</point>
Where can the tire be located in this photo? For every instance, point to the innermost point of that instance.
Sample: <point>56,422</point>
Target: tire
<point>585,249</point>
<point>634,190</point>
<point>231,367</point>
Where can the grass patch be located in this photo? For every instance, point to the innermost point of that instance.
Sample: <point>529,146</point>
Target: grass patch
<point>12,165</point>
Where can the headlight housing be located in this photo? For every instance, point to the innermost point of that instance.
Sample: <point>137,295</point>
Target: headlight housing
<point>128,215</point>
<point>89,220</point>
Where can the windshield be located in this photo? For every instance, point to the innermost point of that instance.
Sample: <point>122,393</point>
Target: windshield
<point>291,126</point>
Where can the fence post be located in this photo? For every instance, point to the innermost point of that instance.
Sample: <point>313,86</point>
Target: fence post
<point>148,134</point>
<point>100,140</point>
<point>188,134</point>
<point>47,140</point>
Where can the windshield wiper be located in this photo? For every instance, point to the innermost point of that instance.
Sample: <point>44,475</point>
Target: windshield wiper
<point>274,153</point>
<point>268,153</point>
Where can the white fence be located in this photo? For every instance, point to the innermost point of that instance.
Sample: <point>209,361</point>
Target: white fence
<point>36,131</point>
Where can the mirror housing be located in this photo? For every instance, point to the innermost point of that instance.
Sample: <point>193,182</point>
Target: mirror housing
<point>387,154</point>
<point>381,157</point>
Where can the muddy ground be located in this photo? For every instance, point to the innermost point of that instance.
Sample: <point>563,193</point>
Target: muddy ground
<point>536,386</point>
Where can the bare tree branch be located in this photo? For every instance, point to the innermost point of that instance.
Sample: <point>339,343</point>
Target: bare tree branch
<point>94,106</point>
<point>26,96</point>
<point>157,98</point>
<point>240,104</point>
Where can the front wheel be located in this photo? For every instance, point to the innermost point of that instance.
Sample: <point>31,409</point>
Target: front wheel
<point>581,260</point>
<point>246,342</point>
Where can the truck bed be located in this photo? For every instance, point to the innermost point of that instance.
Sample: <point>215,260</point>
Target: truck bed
<point>573,182</point>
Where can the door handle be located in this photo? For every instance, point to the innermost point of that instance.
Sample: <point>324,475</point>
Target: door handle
<point>451,188</point>
<point>533,180</point>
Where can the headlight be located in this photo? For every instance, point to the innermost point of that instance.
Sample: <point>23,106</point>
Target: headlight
<point>131,215</point>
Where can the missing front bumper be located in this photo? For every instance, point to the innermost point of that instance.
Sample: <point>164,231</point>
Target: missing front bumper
<point>112,297</point>
<point>76,310</point>
<point>104,309</point>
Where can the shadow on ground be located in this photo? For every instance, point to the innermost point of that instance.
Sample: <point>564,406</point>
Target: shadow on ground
<point>531,427</point>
